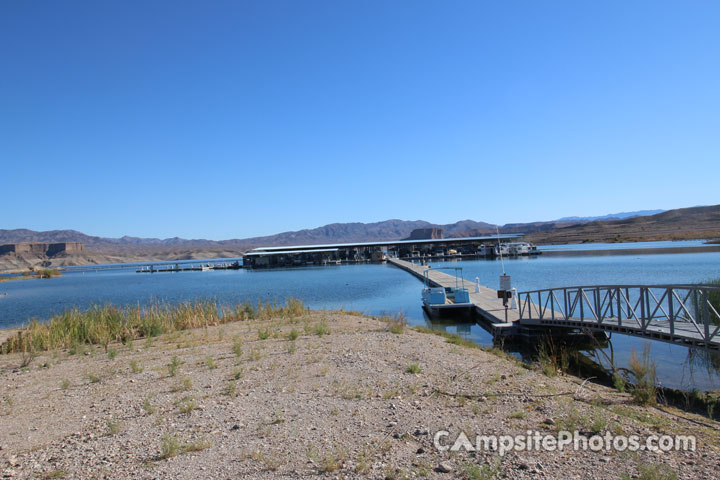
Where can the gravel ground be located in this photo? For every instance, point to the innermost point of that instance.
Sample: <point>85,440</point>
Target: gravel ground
<point>223,403</point>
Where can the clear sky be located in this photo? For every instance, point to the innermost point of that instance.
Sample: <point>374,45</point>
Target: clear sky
<point>211,119</point>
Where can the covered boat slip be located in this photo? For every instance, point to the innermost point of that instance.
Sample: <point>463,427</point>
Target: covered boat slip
<point>283,258</point>
<point>360,252</point>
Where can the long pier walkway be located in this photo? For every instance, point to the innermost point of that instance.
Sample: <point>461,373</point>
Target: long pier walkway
<point>486,302</point>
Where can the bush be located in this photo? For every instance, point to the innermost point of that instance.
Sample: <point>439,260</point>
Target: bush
<point>47,273</point>
<point>413,368</point>
<point>170,447</point>
<point>553,359</point>
<point>643,390</point>
<point>263,333</point>
<point>619,382</point>
<point>175,362</point>
<point>322,328</point>
<point>396,324</point>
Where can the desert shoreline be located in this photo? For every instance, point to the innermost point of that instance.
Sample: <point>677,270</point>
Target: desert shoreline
<point>323,394</point>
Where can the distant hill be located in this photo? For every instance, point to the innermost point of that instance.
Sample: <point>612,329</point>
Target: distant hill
<point>612,216</point>
<point>362,232</point>
<point>678,224</point>
<point>50,236</point>
<point>515,228</point>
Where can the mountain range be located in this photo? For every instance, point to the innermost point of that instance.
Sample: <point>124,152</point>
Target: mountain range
<point>695,222</point>
<point>333,233</point>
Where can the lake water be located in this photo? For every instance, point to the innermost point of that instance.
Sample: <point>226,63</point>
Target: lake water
<point>376,289</point>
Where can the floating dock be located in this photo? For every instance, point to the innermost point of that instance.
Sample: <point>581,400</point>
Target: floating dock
<point>502,321</point>
<point>184,267</point>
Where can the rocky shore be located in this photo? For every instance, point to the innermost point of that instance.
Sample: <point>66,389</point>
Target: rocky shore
<point>326,394</point>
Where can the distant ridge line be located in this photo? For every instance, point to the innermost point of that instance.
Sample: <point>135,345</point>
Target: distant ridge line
<point>566,229</point>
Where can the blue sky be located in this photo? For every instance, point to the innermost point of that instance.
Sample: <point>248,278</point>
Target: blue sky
<point>235,119</point>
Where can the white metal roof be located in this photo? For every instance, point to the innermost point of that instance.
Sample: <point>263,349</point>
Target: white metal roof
<point>280,252</point>
<point>382,243</point>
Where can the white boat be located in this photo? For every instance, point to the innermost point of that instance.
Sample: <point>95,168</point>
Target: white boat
<point>521,248</point>
<point>508,249</point>
<point>437,300</point>
<point>205,268</point>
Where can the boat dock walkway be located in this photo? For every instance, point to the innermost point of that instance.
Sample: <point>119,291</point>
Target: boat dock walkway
<point>678,314</point>
<point>186,267</point>
<point>487,304</point>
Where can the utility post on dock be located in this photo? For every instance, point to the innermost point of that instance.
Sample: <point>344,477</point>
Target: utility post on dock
<point>505,292</point>
<point>505,288</point>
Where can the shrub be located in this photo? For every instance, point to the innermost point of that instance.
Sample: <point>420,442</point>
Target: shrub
<point>170,447</point>
<point>175,362</point>
<point>231,389</point>
<point>263,333</point>
<point>396,324</point>
<point>294,308</point>
<point>113,426</point>
<point>210,362</point>
<point>237,348</point>
<point>47,273</point>
<point>187,405</point>
<point>186,384</point>
<point>553,359</point>
<point>413,368</point>
<point>147,406</point>
<point>619,382</point>
<point>321,328</point>
<point>473,471</point>
<point>643,390</point>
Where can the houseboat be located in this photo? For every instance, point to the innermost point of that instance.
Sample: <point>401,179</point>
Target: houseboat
<point>508,249</point>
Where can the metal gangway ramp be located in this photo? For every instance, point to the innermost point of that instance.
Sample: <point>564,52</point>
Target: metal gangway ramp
<point>680,314</point>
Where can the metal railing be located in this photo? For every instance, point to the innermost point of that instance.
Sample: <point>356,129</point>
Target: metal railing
<point>682,311</point>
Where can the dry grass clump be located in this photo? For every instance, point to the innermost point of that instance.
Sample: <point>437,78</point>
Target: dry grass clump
<point>643,390</point>
<point>293,308</point>
<point>102,325</point>
<point>173,446</point>
<point>395,324</point>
